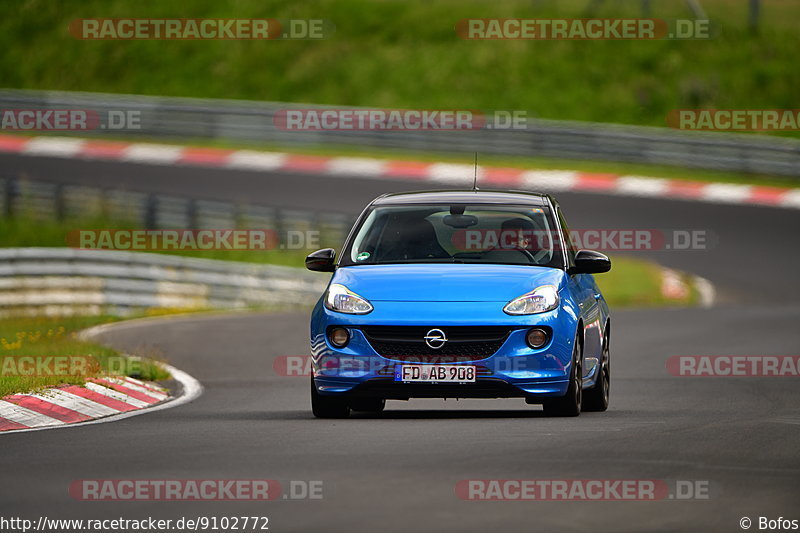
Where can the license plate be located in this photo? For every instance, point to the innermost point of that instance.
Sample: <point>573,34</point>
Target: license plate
<point>435,373</point>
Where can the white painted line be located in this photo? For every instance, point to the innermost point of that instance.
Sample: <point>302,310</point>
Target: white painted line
<point>162,154</point>
<point>76,403</point>
<point>553,180</point>
<point>252,160</point>
<point>706,290</point>
<point>53,146</point>
<point>151,386</point>
<point>672,285</point>
<point>360,166</point>
<point>115,395</point>
<point>455,174</point>
<point>726,192</point>
<point>791,199</point>
<point>92,332</point>
<point>26,417</point>
<point>547,180</point>
<point>642,186</point>
<point>147,392</point>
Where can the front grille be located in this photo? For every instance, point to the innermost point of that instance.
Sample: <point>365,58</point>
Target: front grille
<point>464,343</point>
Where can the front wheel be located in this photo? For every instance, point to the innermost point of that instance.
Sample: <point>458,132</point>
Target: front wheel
<point>596,398</point>
<point>570,403</point>
<point>327,406</point>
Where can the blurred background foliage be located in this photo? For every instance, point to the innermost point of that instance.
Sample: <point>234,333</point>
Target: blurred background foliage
<point>394,53</point>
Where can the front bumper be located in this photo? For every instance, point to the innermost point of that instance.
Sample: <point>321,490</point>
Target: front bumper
<point>389,389</point>
<point>514,371</point>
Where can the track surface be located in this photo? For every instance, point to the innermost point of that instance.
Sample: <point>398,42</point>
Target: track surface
<point>398,472</point>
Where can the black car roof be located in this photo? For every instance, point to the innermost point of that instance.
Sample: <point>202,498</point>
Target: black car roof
<point>463,197</point>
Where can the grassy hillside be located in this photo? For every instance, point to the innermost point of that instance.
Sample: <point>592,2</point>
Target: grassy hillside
<point>406,53</point>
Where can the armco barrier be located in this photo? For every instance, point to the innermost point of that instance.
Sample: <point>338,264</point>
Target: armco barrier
<point>57,281</point>
<point>250,121</point>
<point>67,202</point>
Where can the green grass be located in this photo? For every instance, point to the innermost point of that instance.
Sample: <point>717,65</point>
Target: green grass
<point>396,53</point>
<point>24,231</point>
<point>58,337</point>
<point>637,283</point>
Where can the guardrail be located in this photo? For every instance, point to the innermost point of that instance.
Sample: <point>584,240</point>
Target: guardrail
<point>65,202</point>
<point>58,281</point>
<point>250,121</point>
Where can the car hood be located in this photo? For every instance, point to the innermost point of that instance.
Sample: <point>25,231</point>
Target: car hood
<point>445,282</point>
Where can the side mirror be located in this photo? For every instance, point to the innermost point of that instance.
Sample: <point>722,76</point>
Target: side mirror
<point>590,262</point>
<point>321,260</point>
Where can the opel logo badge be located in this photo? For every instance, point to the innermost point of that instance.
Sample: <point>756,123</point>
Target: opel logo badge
<point>435,339</point>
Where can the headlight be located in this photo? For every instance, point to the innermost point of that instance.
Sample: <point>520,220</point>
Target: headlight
<point>539,300</point>
<point>341,299</point>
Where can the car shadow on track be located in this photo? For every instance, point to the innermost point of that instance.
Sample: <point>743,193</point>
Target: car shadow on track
<point>402,414</point>
<point>453,413</point>
<point>430,414</point>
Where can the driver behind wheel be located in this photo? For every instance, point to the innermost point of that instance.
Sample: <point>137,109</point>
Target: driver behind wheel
<point>515,244</point>
<point>516,234</point>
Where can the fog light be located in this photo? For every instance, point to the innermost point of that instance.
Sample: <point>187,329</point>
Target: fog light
<point>536,337</point>
<point>339,337</point>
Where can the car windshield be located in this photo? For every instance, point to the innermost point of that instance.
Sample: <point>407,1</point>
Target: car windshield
<point>517,235</point>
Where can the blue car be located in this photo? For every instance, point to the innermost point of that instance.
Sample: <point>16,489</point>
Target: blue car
<point>460,294</point>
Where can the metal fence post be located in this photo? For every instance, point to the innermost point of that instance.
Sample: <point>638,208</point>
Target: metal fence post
<point>58,208</point>
<point>10,193</point>
<point>191,213</point>
<point>151,212</point>
<point>755,12</point>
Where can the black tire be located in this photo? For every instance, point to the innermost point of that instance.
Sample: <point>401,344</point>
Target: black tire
<point>368,405</point>
<point>570,403</point>
<point>596,398</point>
<point>327,406</point>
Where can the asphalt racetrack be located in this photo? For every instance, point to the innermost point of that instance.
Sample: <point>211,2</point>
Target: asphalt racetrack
<point>398,472</point>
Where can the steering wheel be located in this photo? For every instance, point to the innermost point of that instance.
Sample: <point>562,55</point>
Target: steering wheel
<point>523,251</point>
